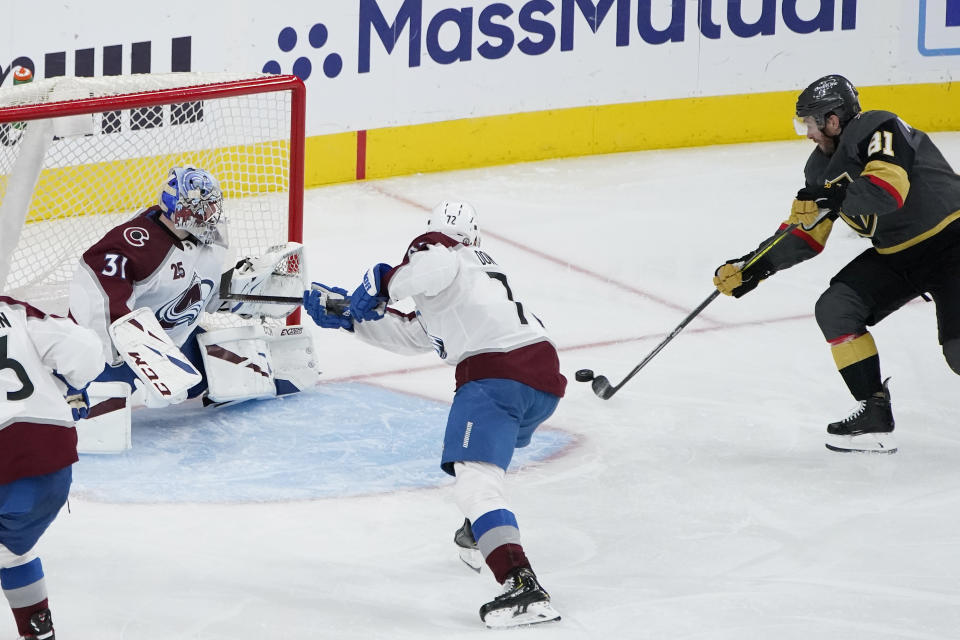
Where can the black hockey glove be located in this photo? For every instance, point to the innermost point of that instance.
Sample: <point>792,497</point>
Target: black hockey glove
<point>827,197</point>
<point>732,279</point>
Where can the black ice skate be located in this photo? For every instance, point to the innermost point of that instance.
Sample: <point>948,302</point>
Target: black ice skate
<point>467,546</point>
<point>41,626</point>
<point>523,602</point>
<point>868,429</point>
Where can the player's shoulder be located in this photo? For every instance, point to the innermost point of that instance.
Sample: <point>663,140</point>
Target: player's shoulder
<point>138,230</point>
<point>865,123</point>
<point>431,238</point>
<point>140,233</point>
<point>141,241</point>
<point>29,310</point>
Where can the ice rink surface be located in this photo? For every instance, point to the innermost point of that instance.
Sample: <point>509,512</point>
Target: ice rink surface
<point>698,503</point>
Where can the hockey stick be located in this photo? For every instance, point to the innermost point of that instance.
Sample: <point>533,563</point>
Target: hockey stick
<point>601,385</point>
<point>337,306</point>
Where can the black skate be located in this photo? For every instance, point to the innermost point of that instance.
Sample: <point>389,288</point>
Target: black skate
<point>868,429</point>
<point>467,546</point>
<point>523,602</point>
<point>41,626</point>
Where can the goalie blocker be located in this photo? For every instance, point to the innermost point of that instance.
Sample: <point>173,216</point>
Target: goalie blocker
<point>163,376</point>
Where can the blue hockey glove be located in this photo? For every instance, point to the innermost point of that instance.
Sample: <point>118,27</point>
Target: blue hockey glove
<point>78,399</point>
<point>315,303</point>
<point>367,302</point>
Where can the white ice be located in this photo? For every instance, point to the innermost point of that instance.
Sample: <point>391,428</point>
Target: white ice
<point>698,503</point>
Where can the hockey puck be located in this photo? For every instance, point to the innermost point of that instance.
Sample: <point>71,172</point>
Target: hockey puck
<point>584,375</point>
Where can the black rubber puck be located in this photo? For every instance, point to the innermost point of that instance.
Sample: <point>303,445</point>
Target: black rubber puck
<point>584,375</point>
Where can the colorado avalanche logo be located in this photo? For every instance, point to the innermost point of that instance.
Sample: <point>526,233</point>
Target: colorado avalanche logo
<point>136,236</point>
<point>187,307</point>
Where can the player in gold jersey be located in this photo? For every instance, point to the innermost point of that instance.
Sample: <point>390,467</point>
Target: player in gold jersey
<point>888,182</point>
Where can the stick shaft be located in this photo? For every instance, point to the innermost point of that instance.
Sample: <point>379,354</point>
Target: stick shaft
<point>673,334</point>
<point>759,253</point>
<point>333,305</point>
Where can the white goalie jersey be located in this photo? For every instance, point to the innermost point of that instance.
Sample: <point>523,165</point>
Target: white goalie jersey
<point>140,263</point>
<point>467,312</point>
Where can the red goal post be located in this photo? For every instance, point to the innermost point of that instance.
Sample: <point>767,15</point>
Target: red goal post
<point>80,155</point>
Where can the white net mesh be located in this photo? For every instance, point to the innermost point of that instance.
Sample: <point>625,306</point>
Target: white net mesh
<point>95,170</point>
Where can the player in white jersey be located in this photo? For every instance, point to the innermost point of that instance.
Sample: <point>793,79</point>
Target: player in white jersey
<point>42,359</point>
<point>167,258</point>
<point>508,382</point>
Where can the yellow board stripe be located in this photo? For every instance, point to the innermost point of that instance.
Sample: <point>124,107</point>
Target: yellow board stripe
<point>852,352</point>
<point>523,137</point>
<point>330,159</point>
<point>656,124</point>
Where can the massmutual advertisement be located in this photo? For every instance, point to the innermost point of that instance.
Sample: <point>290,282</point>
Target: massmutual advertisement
<point>388,63</point>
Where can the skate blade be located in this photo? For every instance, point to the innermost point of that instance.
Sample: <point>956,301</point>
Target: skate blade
<point>521,616</point>
<point>472,558</point>
<point>863,443</point>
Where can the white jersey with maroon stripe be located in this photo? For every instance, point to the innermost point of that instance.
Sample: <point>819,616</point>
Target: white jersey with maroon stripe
<point>465,304</point>
<point>141,263</point>
<point>36,426</point>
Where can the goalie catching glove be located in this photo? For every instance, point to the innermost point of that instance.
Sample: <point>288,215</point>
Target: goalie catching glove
<point>269,285</point>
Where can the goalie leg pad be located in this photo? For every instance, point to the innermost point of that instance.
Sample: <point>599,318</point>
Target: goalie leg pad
<point>238,364</point>
<point>295,367</point>
<point>244,363</point>
<point>106,429</point>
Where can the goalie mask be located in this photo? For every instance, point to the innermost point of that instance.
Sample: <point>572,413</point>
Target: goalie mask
<point>457,220</point>
<point>192,200</point>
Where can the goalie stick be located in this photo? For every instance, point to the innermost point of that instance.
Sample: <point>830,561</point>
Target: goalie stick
<point>601,385</point>
<point>337,306</point>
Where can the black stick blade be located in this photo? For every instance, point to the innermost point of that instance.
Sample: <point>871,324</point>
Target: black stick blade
<point>601,387</point>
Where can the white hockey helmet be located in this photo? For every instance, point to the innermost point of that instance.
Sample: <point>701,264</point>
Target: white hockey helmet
<point>457,220</point>
<point>192,200</point>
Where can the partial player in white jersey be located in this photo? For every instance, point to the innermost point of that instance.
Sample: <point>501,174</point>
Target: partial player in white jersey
<point>508,382</point>
<point>150,280</point>
<point>45,364</point>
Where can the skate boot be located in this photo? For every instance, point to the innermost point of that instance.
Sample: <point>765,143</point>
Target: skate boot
<point>868,429</point>
<point>41,626</point>
<point>523,602</point>
<point>467,546</point>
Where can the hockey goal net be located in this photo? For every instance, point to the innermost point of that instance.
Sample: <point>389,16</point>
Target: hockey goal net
<point>80,155</point>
